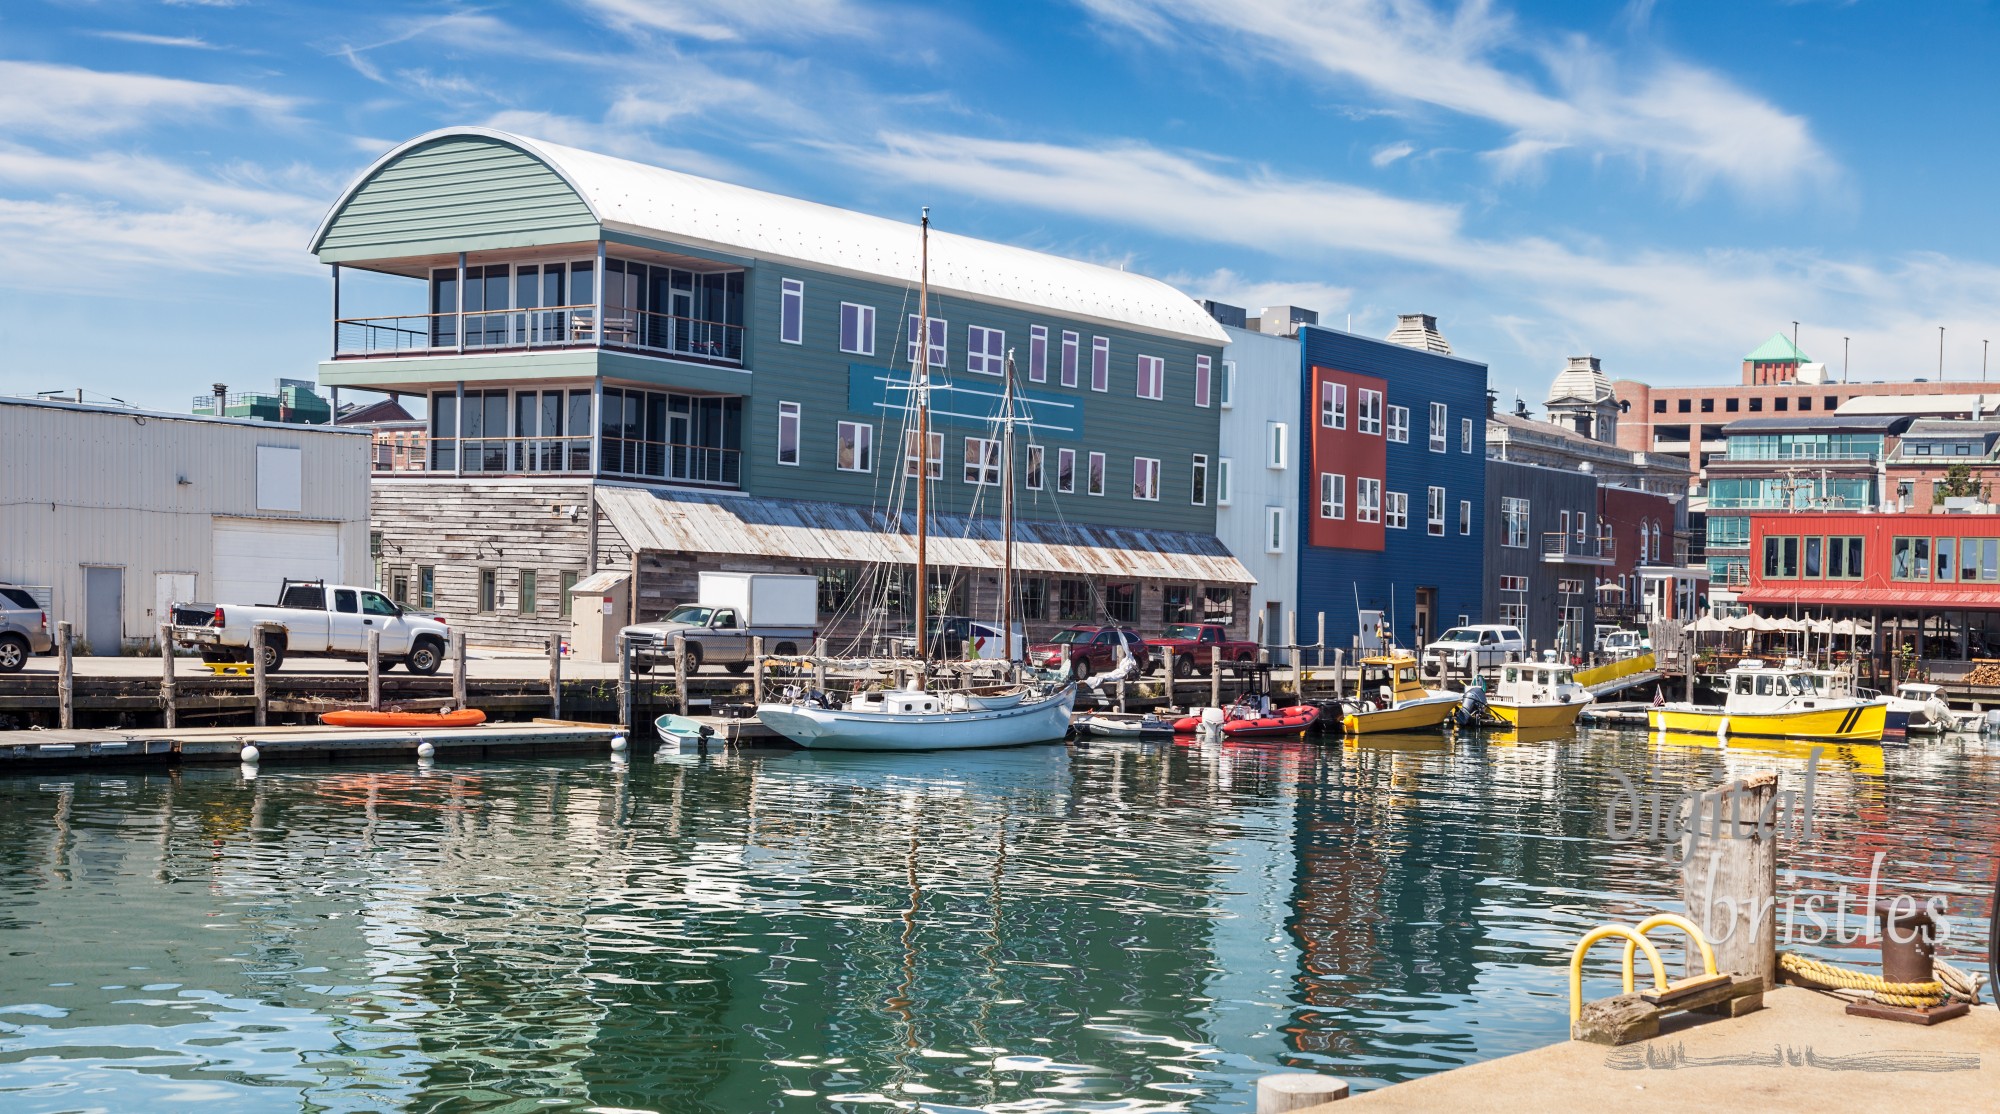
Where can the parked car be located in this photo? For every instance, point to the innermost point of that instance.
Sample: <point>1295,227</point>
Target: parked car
<point>732,609</point>
<point>315,619</point>
<point>1624,644</point>
<point>1091,649</point>
<point>1474,647</point>
<point>1188,647</point>
<point>958,637</point>
<point>24,628</point>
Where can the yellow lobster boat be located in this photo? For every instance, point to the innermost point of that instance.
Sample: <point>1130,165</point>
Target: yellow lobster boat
<point>1763,702</point>
<point>1400,702</point>
<point>1535,697</point>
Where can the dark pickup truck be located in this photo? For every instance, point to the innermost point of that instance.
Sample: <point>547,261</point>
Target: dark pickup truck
<point>1188,647</point>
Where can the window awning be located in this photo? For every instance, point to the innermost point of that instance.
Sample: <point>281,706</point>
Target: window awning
<point>1919,599</point>
<point>817,532</point>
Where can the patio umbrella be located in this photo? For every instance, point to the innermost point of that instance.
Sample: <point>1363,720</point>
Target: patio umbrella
<point>1708,624</point>
<point>1612,587</point>
<point>1822,625</point>
<point>1740,622</point>
<point>1788,626</point>
<point>1844,626</point>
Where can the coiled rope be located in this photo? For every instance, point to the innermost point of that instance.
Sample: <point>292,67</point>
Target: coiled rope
<point>1825,976</point>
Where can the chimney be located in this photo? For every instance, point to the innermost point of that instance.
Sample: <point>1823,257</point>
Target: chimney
<point>221,393</point>
<point>1419,331</point>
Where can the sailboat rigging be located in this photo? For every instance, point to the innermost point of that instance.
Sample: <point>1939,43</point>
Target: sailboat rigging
<point>917,718</point>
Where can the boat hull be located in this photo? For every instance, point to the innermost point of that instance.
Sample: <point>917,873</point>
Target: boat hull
<point>1123,727</point>
<point>1537,717</point>
<point>1416,715</point>
<point>1042,721</point>
<point>1850,723</point>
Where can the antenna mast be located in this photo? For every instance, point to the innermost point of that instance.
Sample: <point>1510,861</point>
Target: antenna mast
<point>920,378</point>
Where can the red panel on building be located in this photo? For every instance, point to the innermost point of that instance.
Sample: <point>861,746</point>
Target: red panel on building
<point>1811,561</point>
<point>1341,450</point>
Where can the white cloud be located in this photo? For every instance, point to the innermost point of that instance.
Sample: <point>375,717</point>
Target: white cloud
<point>72,244</point>
<point>736,20</point>
<point>190,42</point>
<point>1691,123</point>
<point>612,140</point>
<point>1585,296</point>
<point>71,102</point>
<point>1383,156</point>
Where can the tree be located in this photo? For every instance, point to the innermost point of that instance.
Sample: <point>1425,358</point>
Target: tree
<point>1957,484</point>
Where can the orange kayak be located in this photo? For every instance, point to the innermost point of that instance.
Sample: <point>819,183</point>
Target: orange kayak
<point>361,717</point>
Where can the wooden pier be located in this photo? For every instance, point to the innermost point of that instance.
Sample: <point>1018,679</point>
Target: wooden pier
<point>170,746</point>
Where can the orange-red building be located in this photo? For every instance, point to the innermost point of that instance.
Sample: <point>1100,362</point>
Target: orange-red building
<point>1939,573</point>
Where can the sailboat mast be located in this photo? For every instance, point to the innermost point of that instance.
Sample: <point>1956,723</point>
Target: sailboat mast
<point>921,378</point>
<point>1007,511</point>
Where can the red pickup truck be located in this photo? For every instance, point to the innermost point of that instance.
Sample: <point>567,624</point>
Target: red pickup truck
<point>1188,647</point>
<point>1092,649</point>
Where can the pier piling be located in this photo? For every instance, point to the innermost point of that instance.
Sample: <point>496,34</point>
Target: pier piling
<point>1729,876</point>
<point>374,670</point>
<point>1215,676</point>
<point>681,674</point>
<point>458,668</point>
<point>555,678</point>
<point>260,635</point>
<point>1297,1090</point>
<point>757,669</point>
<point>65,678</point>
<point>168,687</point>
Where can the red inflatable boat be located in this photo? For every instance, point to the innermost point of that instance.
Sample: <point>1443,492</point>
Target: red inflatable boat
<point>1281,721</point>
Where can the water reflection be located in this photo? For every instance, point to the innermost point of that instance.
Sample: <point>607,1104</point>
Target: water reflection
<point>1119,926</point>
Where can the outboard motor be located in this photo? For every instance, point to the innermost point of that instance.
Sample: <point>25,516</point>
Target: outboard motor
<point>1993,721</point>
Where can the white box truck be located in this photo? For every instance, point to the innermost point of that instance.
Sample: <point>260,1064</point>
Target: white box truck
<point>730,609</point>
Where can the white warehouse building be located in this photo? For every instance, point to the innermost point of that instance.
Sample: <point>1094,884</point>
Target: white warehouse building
<point>109,515</point>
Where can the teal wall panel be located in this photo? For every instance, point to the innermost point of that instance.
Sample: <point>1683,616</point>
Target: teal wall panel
<point>457,194</point>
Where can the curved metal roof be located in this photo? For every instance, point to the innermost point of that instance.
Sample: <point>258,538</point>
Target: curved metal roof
<point>654,201</point>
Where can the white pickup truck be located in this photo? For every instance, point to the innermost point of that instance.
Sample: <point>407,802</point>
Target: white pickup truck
<point>315,620</point>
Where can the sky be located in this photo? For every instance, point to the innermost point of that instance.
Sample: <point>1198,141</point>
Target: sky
<point>1661,184</point>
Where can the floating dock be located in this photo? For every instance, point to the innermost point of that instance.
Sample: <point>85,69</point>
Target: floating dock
<point>21,750</point>
<point>1802,1051</point>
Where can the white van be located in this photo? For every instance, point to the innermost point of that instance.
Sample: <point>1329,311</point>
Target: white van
<point>1463,649</point>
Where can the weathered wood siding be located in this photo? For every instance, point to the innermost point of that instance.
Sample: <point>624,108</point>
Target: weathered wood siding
<point>1549,492</point>
<point>461,527</point>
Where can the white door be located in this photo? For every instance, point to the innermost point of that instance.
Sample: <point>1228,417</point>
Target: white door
<point>378,613</point>
<point>253,556</point>
<point>170,588</point>
<point>345,630</point>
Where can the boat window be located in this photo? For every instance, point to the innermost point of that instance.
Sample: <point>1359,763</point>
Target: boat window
<point>1406,676</point>
<point>1511,675</point>
<point>1802,685</point>
<point>1764,686</point>
<point>1743,685</point>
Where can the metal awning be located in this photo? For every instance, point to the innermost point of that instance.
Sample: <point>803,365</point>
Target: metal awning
<point>1946,599</point>
<point>799,530</point>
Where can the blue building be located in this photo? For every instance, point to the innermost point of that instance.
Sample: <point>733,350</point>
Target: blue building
<point>1392,494</point>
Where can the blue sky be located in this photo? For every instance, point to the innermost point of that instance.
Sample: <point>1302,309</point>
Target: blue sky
<point>1662,184</point>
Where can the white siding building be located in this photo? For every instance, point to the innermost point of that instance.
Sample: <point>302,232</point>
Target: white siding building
<point>1257,480</point>
<point>108,515</point>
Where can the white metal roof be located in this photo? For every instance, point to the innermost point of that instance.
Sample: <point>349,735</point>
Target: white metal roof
<point>689,522</point>
<point>652,200</point>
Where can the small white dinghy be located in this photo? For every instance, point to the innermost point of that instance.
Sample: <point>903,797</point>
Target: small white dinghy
<point>1127,725</point>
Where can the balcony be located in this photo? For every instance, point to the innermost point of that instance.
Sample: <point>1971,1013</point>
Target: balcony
<point>559,327</point>
<point>1574,549</point>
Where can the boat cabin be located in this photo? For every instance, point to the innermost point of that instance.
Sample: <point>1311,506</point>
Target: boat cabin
<point>1834,684</point>
<point>1920,693</point>
<point>1538,683</point>
<point>1387,681</point>
<point>1755,687</point>
<point>902,702</point>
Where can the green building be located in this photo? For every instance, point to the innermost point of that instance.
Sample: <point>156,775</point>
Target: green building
<point>291,401</point>
<point>633,370</point>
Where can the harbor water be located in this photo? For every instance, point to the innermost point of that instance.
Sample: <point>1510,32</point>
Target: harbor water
<point>1091,927</point>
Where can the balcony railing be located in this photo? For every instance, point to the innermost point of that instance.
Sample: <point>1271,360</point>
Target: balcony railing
<point>1574,549</point>
<point>423,334</point>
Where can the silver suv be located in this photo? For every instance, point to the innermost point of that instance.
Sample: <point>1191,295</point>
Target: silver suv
<point>24,628</point>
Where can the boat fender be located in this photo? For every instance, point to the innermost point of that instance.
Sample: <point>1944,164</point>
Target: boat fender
<point>617,743</point>
<point>1722,731</point>
<point>249,754</point>
<point>426,750</point>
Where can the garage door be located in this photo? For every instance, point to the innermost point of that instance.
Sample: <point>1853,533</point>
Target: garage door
<point>253,556</point>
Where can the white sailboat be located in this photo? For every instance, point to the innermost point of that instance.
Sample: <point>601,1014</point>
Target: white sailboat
<point>916,718</point>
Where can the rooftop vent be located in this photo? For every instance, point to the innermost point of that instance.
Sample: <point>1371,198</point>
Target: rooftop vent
<point>1419,331</point>
<point>1225,314</point>
<point>1284,321</point>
